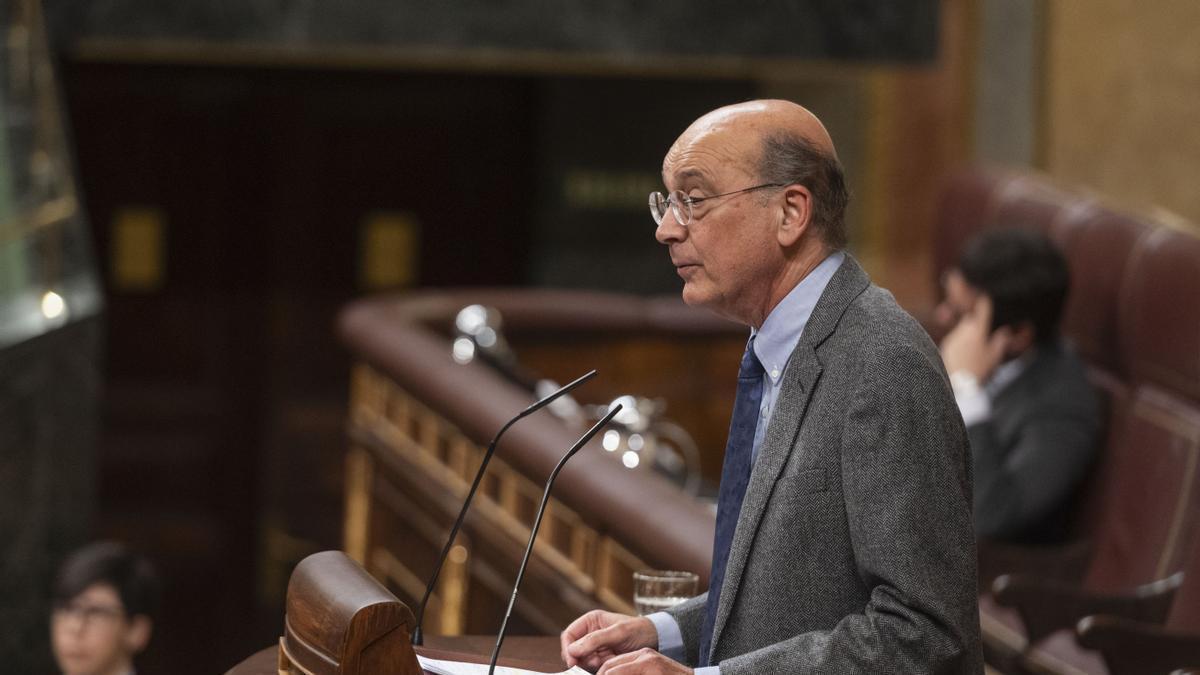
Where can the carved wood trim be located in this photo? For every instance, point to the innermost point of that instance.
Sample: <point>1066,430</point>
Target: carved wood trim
<point>392,421</point>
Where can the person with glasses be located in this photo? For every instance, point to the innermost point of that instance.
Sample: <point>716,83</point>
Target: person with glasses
<point>105,598</point>
<point>844,540</point>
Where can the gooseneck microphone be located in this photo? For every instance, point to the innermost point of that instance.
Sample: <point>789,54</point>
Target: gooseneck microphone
<point>487,457</point>
<point>537,522</point>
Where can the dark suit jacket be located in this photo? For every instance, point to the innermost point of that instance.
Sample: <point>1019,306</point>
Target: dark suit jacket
<point>1035,449</point>
<point>854,551</point>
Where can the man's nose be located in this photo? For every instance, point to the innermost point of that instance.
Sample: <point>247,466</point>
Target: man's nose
<point>73,623</point>
<point>669,230</point>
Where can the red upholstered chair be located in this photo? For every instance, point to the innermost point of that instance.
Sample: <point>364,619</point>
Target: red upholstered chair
<point>1148,517</point>
<point>1129,647</point>
<point>1098,244</point>
<point>1148,521</point>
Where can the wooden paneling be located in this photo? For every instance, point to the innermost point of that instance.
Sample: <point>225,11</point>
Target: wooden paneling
<point>411,470</point>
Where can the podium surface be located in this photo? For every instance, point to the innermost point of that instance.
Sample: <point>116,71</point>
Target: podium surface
<point>531,653</point>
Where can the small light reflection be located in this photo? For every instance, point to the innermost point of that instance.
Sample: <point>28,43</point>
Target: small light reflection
<point>471,319</point>
<point>53,305</point>
<point>629,415</point>
<point>486,338</point>
<point>463,351</point>
<point>612,440</point>
<point>636,442</point>
<point>630,459</point>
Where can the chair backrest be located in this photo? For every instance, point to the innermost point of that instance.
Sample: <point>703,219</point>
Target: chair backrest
<point>1029,201</point>
<point>966,202</point>
<point>1098,244</point>
<point>1160,313</point>
<point>1152,514</point>
<point>1148,501</point>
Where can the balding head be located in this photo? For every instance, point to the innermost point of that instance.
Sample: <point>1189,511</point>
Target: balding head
<point>779,142</point>
<point>765,117</point>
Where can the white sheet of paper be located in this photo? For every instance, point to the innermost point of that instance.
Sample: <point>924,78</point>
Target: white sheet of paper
<point>459,668</point>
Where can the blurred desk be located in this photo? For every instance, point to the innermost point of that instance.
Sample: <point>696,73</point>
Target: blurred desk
<point>539,653</point>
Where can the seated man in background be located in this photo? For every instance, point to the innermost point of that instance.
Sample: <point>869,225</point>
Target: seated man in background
<point>1031,414</point>
<point>104,601</point>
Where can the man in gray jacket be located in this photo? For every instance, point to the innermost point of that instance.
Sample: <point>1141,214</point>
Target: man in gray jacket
<point>844,539</point>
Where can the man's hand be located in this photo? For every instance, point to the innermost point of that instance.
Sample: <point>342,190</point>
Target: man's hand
<point>972,346</point>
<point>643,662</point>
<point>594,638</point>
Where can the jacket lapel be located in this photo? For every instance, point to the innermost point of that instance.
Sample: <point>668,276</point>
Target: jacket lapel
<point>800,378</point>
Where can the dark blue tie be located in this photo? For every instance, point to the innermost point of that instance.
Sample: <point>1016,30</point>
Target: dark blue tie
<point>735,476</point>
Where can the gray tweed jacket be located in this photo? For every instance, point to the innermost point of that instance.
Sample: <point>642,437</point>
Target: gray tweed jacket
<point>854,551</point>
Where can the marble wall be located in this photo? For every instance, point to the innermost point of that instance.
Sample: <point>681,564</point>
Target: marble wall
<point>1122,98</point>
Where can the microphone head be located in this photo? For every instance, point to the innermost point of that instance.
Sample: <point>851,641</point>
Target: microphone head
<point>559,392</point>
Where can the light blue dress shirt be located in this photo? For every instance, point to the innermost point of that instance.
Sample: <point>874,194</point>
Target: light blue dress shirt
<point>773,345</point>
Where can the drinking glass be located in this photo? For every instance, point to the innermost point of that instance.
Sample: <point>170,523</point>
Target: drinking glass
<point>656,590</point>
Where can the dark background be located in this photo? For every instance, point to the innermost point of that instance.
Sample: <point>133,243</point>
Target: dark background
<point>894,30</point>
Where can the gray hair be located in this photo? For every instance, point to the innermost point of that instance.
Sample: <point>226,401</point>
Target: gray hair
<point>788,158</point>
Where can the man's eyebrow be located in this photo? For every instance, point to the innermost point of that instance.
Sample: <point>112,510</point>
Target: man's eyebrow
<point>692,174</point>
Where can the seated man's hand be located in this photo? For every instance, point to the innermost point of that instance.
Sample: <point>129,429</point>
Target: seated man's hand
<point>594,638</point>
<point>972,346</point>
<point>643,662</point>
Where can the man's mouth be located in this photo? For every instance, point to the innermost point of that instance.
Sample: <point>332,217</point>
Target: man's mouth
<point>685,269</point>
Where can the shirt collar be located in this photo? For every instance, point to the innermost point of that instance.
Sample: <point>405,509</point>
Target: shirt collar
<point>777,339</point>
<point>1009,371</point>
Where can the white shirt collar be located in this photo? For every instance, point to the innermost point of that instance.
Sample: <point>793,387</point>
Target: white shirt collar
<point>1008,371</point>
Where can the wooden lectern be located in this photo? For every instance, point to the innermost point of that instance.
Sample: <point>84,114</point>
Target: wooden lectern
<point>341,621</point>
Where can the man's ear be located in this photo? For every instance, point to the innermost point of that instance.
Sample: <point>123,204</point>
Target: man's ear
<point>138,635</point>
<point>1023,337</point>
<point>797,213</point>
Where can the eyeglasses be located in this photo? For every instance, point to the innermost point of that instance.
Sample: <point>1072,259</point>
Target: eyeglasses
<point>87,614</point>
<point>681,204</point>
